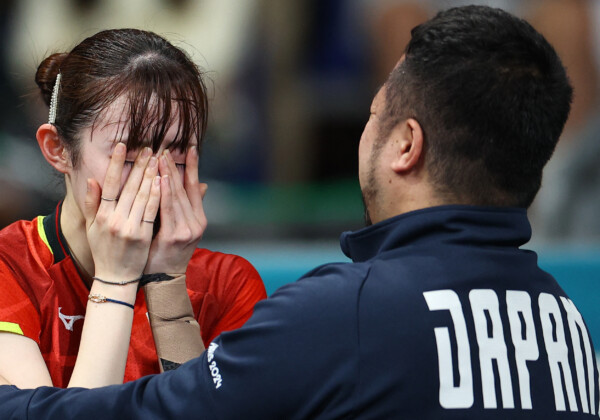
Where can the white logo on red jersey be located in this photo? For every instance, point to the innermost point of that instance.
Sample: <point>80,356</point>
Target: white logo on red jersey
<point>68,320</point>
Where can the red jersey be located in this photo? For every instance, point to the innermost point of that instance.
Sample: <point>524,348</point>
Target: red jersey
<point>43,297</point>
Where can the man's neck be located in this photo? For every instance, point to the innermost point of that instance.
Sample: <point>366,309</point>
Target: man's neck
<point>408,197</point>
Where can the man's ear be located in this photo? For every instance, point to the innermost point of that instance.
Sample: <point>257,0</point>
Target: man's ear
<point>407,138</point>
<point>52,148</point>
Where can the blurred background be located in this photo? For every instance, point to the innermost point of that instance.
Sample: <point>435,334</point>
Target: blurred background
<point>291,83</point>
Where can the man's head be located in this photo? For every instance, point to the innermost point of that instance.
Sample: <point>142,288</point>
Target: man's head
<point>491,97</point>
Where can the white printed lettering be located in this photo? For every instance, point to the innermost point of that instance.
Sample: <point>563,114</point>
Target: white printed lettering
<point>575,320</point>
<point>526,348</point>
<point>451,396</point>
<point>214,371</point>
<point>558,351</point>
<point>486,308</point>
<point>491,346</point>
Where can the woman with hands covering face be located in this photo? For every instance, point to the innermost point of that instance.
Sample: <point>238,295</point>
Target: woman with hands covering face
<point>111,286</point>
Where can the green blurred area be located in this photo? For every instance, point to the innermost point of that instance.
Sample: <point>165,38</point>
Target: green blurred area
<point>305,211</point>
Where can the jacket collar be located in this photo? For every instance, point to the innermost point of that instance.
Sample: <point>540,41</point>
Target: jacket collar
<point>54,235</point>
<point>484,226</point>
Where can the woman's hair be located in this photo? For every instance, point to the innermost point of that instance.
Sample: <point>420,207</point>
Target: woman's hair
<point>158,81</point>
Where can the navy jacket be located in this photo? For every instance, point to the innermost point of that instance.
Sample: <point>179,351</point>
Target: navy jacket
<point>440,315</point>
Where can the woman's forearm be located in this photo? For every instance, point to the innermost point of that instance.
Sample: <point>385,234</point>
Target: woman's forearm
<point>105,337</point>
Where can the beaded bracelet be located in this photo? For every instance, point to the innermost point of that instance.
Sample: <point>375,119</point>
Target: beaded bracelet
<point>118,283</point>
<point>96,298</point>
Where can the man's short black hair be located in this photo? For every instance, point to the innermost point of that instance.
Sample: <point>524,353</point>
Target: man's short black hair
<point>492,98</point>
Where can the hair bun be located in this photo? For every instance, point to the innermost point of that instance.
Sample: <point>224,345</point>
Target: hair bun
<point>45,77</point>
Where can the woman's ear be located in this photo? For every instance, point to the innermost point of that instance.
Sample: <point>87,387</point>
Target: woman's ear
<point>52,148</point>
<point>409,145</point>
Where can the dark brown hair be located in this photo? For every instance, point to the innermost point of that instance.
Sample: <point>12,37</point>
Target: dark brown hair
<point>159,81</point>
<point>492,97</point>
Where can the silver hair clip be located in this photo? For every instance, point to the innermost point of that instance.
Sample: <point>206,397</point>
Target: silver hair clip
<point>54,101</point>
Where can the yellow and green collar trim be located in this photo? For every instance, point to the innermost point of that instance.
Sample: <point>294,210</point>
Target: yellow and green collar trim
<point>50,232</point>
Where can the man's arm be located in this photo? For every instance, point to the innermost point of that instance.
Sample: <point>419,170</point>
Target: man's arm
<point>154,396</point>
<point>272,367</point>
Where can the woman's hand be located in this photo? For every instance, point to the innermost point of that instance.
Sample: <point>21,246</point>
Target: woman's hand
<point>118,230</point>
<point>182,219</point>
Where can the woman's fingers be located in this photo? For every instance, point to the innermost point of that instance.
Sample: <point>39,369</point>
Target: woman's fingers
<point>112,179</point>
<point>182,204</point>
<point>181,224</point>
<point>203,189</point>
<point>120,234</point>
<point>151,209</point>
<point>176,183</point>
<point>132,186</point>
<point>194,189</point>
<point>174,213</point>
<point>167,216</point>
<point>143,192</point>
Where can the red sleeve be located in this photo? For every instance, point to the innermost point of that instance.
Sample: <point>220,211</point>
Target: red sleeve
<point>17,312</point>
<point>232,287</point>
<point>245,289</point>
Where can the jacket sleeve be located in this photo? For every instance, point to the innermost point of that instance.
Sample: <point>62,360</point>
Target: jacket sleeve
<point>272,367</point>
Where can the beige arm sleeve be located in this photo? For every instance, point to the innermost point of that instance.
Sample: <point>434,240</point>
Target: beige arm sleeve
<point>175,330</point>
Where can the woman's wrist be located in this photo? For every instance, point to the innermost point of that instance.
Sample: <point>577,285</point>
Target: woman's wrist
<point>117,279</point>
<point>117,283</point>
<point>126,292</point>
